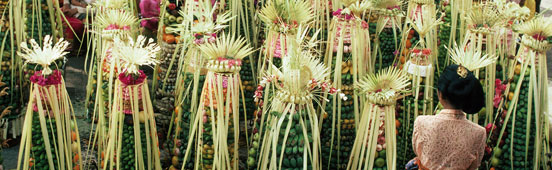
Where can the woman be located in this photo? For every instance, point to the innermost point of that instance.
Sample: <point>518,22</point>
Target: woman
<point>448,140</point>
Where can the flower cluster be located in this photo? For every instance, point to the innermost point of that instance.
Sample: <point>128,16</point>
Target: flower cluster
<point>264,82</point>
<point>325,87</point>
<point>499,89</point>
<point>340,13</point>
<point>201,38</point>
<point>117,27</point>
<point>421,52</point>
<point>231,62</point>
<point>52,79</point>
<point>132,79</point>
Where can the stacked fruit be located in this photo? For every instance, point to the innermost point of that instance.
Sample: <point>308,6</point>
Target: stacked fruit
<point>404,123</point>
<point>170,54</point>
<point>246,76</point>
<point>380,155</point>
<point>165,92</point>
<point>180,144</point>
<point>38,23</point>
<point>516,148</point>
<point>128,156</point>
<point>444,35</point>
<point>38,151</point>
<point>4,4</point>
<point>7,71</point>
<point>208,147</point>
<point>295,143</point>
<point>388,43</point>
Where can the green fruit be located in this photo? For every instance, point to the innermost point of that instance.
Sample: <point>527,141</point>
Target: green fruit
<point>382,153</point>
<point>255,144</point>
<point>497,152</point>
<point>250,161</point>
<point>380,162</point>
<point>172,18</point>
<point>179,19</point>
<point>482,112</point>
<point>256,136</point>
<point>252,151</point>
<point>495,161</point>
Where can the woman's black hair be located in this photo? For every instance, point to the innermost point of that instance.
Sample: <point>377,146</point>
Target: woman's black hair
<point>465,93</point>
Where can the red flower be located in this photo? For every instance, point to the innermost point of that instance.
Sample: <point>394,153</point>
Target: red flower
<point>378,90</point>
<point>426,51</point>
<point>416,51</point>
<point>539,37</point>
<point>172,6</point>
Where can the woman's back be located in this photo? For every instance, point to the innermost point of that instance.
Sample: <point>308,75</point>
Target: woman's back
<point>448,141</point>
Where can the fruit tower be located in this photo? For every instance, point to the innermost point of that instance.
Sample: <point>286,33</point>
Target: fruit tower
<point>420,60</point>
<point>215,127</point>
<point>9,79</point>
<point>517,136</point>
<point>104,69</point>
<point>50,138</point>
<point>291,138</point>
<point>375,145</point>
<point>132,135</point>
<point>347,52</point>
<point>191,71</point>
<point>386,32</point>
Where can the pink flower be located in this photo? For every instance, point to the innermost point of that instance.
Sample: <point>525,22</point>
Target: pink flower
<point>337,13</point>
<point>35,108</point>
<point>365,24</point>
<point>496,100</point>
<point>126,28</point>
<point>112,27</point>
<point>426,51</point>
<point>131,79</point>
<point>52,79</point>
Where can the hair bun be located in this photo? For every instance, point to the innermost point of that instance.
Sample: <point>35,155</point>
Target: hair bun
<point>464,93</point>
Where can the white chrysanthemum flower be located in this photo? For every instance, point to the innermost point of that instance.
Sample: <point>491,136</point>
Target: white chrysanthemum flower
<point>43,56</point>
<point>134,54</point>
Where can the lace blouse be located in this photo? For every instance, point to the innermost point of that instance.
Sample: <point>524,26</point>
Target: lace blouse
<point>448,141</point>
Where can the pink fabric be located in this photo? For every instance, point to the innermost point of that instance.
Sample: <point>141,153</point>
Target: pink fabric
<point>150,13</point>
<point>448,141</point>
<point>77,26</point>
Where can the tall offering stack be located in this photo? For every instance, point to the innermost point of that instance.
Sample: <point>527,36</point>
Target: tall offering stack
<point>132,137</point>
<point>165,75</point>
<point>347,52</point>
<point>386,32</point>
<point>518,137</point>
<point>50,137</point>
<point>215,127</point>
<point>376,143</point>
<point>420,64</point>
<point>109,25</point>
<point>191,69</point>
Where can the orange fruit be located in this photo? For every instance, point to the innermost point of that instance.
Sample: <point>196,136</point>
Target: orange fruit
<point>408,43</point>
<point>76,167</point>
<point>510,95</point>
<point>403,59</point>
<point>517,70</point>
<point>76,158</point>
<point>397,123</point>
<point>177,39</point>
<point>169,38</point>
<point>73,136</point>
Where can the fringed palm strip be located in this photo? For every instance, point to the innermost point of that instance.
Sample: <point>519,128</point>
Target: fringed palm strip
<point>214,129</point>
<point>132,118</point>
<point>291,137</point>
<point>185,114</point>
<point>347,55</point>
<point>374,145</point>
<point>522,131</point>
<point>50,138</point>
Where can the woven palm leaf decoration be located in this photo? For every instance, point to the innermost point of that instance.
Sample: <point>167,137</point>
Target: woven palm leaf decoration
<point>483,23</point>
<point>50,138</point>
<point>215,127</point>
<point>522,128</point>
<point>191,71</point>
<point>511,14</point>
<point>132,133</point>
<point>347,52</point>
<point>376,144</point>
<point>290,134</point>
<point>103,69</point>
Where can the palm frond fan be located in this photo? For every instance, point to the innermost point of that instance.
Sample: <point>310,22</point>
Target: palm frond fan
<point>50,138</point>
<point>524,101</point>
<point>470,58</point>
<point>483,18</point>
<point>107,26</point>
<point>132,136</point>
<point>215,127</point>
<point>347,52</point>
<point>113,23</point>
<point>292,136</point>
<point>377,128</point>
